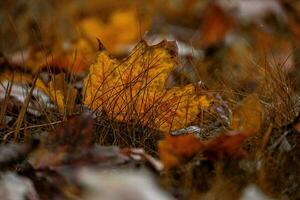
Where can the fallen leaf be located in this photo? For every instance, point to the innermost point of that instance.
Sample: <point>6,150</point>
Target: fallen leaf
<point>276,47</point>
<point>72,57</point>
<point>296,124</point>
<point>248,115</point>
<point>59,91</point>
<point>62,94</point>
<point>176,150</point>
<point>19,84</point>
<point>293,25</point>
<point>72,137</point>
<point>124,28</point>
<point>172,150</point>
<point>134,89</point>
<point>226,146</point>
<point>215,26</point>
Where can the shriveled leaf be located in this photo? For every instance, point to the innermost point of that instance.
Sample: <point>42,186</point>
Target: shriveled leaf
<point>248,115</point>
<point>134,89</point>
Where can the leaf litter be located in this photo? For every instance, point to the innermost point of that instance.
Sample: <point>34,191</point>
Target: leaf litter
<point>97,104</point>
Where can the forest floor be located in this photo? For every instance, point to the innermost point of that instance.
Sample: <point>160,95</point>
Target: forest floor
<point>148,100</point>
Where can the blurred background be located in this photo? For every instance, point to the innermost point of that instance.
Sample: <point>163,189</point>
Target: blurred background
<point>221,40</point>
<point>227,45</point>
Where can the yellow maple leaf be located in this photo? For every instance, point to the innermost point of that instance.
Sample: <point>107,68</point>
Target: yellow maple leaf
<point>123,28</point>
<point>133,89</point>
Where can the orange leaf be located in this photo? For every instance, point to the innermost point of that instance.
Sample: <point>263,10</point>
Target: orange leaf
<point>215,26</point>
<point>125,27</point>
<point>173,150</point>
<point>226,146</point>
<point>74,57</point>
<point>248,115</point>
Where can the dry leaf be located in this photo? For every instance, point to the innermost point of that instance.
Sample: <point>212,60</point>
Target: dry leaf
<point>73,137</point>
<point>62,94</point>
<point>296,124</point>
<point>20,87</point>
<point>276,47</point>
<point>59,91</point>
<point>248,115</point>
<point>134,89</point>
<point>124,27</point>
<point>72,57</point>
<point>293,25</point>
<point>215,26</point>
<point>226,146</point>
<point>21,78</point>
<point>173,149</point>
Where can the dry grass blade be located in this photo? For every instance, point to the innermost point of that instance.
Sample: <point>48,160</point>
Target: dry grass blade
<point>6,99</point>
<point>23,110</point>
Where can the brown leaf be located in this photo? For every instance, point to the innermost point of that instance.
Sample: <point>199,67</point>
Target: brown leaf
<point>76,133</point>
<point>297,124</point>
<point>74,136</point>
